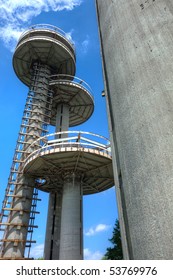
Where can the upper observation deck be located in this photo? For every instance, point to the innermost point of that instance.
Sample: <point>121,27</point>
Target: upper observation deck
<point>47,45</point>
<point>74,92</point>
<point>68,152</point>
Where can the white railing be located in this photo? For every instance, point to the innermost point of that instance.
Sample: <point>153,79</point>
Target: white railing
<point>49,27</point>
<point>69,139</point>
<point>60,78</point>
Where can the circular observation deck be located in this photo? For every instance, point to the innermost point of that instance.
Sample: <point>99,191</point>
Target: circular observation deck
<point>76,93</point>
<point>85,154</point>
<point>46,44</point>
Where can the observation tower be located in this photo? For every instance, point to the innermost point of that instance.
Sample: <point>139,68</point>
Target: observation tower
<point>66,164</point>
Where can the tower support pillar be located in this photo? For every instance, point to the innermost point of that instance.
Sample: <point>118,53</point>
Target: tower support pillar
<point>18,220</point>
<point>52,240</point>
<point>36,114</point>
<point>71,243</point>
<point>137,47</point>
<point>62,118</point>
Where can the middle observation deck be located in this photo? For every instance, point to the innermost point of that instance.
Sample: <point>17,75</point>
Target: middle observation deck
<point>74,92</point>
<point>86,154</point>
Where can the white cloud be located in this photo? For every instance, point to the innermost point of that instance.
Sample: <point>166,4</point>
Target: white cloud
<point>89,255</point>
<point>99,228</point>
<point>9,34</point>
<point>16,14</point>
<point>37,251</point>
<point>69,35</point>
<point>85,45</point>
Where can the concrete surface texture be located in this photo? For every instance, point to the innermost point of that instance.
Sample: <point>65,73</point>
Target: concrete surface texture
<point>15,235</point>
<point>137,48</point>
<point>71,245</point>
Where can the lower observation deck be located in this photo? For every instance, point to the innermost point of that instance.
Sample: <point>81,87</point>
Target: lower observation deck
<point>85,154</point>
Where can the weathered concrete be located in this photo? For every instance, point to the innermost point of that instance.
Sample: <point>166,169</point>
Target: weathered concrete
<point>137,46</point>
<point>117,181</point>
<point>71,244</point>
<point>20,217</point>
<point>25,185</point>
<point>62,119</point>
<point>52,239</point>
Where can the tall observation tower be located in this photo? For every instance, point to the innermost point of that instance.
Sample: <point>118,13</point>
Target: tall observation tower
<point>66,164</point>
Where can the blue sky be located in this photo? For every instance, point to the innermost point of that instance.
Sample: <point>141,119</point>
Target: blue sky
<point>78,19</point>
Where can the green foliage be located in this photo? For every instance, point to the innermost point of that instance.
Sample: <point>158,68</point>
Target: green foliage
<point>104,258</point>
<point>115,252</point>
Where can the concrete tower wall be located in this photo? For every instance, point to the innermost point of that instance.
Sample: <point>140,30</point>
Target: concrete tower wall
<point>22,201</point>
<point>137,46</point>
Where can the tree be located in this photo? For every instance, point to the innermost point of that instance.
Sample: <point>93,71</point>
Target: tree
<point>115,252</point>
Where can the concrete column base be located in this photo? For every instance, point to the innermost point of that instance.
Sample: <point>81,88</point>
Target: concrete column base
<point>20,218</point>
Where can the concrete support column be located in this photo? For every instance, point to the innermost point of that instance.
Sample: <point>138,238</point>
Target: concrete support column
<point>71,240</point>
<point>37,108</point>
<point>19,219</point>
<point>52,241</point>
<point>62,118</point>
<point>137,47</point>
<point>35,111</point>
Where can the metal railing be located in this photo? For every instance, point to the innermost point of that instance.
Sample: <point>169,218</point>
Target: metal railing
<point>60,78</point>
<point>69,139</point>
<point>49,27</point>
